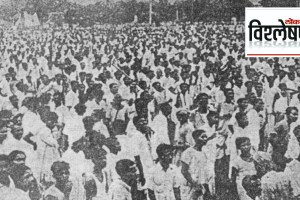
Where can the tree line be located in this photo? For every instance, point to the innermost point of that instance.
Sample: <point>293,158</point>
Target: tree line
<point>124,11</point>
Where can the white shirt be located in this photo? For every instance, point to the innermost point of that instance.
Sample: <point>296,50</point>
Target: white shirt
<point>163,182</point>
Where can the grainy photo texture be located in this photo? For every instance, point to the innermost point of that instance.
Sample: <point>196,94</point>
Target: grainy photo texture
<point>143,100</point>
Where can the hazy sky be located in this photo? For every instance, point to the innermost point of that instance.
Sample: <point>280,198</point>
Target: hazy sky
<point>86,2</point>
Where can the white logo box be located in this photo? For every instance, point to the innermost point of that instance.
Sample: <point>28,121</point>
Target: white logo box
<point>290,26</point>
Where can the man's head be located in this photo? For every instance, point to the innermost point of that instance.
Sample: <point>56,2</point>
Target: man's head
<point>80,109</point>
<point>50,119</point>
<point>74,85</point>
<point>82,65</point>
<point>14,100</point>
<point>251,97</point>
<point>81,88</point>
<point>17,132</point>
<point>283,89</point>
<point>118,75</point>
<point>239,81</point>
<point>243,144</point>
<point>165,153</point>
<point>58,98</point>
<point>243,103</point>
<point>88,123</point>
<point>259,104</point>
<point>117,99</point>
<point>297,133</point>
<point>252,186</point>
<point>17,158</point>
<point>229,94</point>
<point>126,169</point>
<point>292,114</point>
<point>202,99</point>
<point>61,171</point>
<point>200,137</point>
<point>140,123</point>
<point>249,85</point>
<point>182,115</point>
<point>89,77</point>
<point>127,81</point>
<point>45,98</point>
<point>292,76</point>
<point>259,87</point>
<point>113,88</point>
<point>45,79</point>
<point>213,117</point>
<point>159,74</point>
<point>184,87</point>
<point>157,86</point>
<point>82,76</point>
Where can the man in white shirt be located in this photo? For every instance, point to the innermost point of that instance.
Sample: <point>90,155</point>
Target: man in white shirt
<point>120,189</point>
<point>72,96</point>
<point>165,178</point>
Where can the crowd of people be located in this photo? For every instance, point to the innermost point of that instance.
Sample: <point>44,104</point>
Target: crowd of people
<point>156,114</point>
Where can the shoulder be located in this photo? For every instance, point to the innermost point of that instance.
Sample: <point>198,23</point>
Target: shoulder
<point>174,168</point>
<point>188,151</point>
<point>187,154</point>
<point>53,192</point>
<point>16,194</point>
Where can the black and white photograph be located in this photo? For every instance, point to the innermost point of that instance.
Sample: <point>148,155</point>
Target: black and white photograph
<point>146,100</point>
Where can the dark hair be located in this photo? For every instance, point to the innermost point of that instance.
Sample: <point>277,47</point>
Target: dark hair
<point>80,109</point>
<point>257,100</point>
<point>199,96</point>
<point>182,84</point>
<point>240,100</point>
<point>12,96</point>
<point>123,166</point>
<point>240,140</point>
<point>112,85</point>
<point>248,82</point>
<point>58,166</point>
<point>211,114</point>
<point>12,156</point>
<point>289,110</point>
<point>228,90</point>
<point>251,185</point>
<point>73,82</point>
<point>61,96</point>
<point>50,116</point>
<point>197,133</point>
<point>161,148</point>
<point>155,84</point>
<point>296,129</point>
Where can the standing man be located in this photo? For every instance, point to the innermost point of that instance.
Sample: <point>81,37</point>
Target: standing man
<point>280,138</point>
<point>194,168</point>
<point>120,189</point>
<point>165,178</point>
